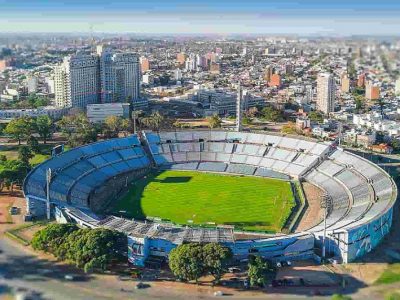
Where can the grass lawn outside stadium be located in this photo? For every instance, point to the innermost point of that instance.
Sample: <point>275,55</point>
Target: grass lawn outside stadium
<point>186,197</point>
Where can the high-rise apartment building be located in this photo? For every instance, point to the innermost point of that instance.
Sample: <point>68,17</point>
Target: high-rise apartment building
<point>32,84</point>
<point>275,80</point>
<point>268,73</point>
<point>361,80</point>
<point>397,87</point>
<point>177,74</point>
<point>105,77</point>
<point>191,63</point>
<point>345,84</point>
<point>144,64</point>
<point>77,81</point>
<point>325,93</point>
<point>372,92</point>
<point>119,76</point>
<point>181,58</point>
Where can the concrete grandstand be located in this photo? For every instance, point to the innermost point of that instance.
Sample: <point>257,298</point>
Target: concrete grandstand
<point>359,195</point>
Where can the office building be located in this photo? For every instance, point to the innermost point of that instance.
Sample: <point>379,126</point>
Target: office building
<point>224,103</point>
<point>325,93</point>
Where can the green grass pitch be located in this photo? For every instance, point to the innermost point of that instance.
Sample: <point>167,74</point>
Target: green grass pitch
<point>249,203</point>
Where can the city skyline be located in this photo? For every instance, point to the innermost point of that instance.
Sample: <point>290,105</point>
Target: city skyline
<point>339,18</point>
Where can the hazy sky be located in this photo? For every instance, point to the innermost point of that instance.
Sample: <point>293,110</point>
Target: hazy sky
<point>325,17</point>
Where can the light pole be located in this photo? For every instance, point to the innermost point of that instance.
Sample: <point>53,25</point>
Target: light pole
<point>324,203</point>
<point>48,181</point>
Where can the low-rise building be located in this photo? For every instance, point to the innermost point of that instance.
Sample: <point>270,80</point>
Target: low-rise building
<point>7,115</point>
<point>99,112</point>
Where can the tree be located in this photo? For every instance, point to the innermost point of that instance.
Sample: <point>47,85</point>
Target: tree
<point>186,262</point>
<point>316,116</point>
<point>246,120</point>
<point>90,249</point>
<point>257,271</point>
<point>214,121</point>
<point>359,103</point>
<point>112,126</point>
<point>77,129</point>
<point>126,126</point>
<point>272,115</point>
<point>12,172</point>
<point>33,144</point>
<point>34,101</point>
<point>215,259</point>
<point>44,127</point>
<point>155,121</point>
<point>252,112</point>
<point>25,154</point>
<point>19,128</point>
<point>95,249</point>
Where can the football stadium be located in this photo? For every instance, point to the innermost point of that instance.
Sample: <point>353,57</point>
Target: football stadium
<point>247,191</point>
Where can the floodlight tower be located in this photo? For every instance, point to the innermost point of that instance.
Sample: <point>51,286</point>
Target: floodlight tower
<point>239,108</point>
<point>48,181</point>
<point>325,205</point>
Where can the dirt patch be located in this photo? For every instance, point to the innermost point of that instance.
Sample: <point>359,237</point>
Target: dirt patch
<point>313,214</point>
<point>312,274</point>
<point>364,272</point>
<point>5,203</point>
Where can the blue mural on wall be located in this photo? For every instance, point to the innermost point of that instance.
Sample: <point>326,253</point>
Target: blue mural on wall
<point>363,239</point>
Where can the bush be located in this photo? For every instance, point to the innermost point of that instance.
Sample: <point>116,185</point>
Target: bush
<point>90,249</point>
<point>258,269</point>
<point>191,261</point>
<point>95,249</point>
<point>52,237</point>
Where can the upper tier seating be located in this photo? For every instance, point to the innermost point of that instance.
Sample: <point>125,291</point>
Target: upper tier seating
<point>279,154</point>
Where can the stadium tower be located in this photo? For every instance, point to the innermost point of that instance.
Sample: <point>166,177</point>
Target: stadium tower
<point>239,108</point>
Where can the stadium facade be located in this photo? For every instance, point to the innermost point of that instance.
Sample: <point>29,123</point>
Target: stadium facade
<point>359,196</point>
